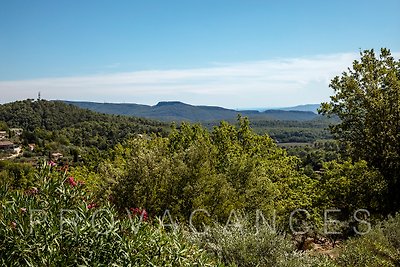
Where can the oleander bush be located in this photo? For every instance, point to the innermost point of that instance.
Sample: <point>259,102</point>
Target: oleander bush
<point>56,223</point>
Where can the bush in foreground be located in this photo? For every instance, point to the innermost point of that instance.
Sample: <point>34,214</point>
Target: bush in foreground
<point>380,247</point>
<point>243,244</point>
<point>57,224</point>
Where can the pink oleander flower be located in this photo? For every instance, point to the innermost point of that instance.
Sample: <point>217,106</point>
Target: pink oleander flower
<point>140,212</point>
<point>23,210</point>
<point>13,225</point>
<point>92,205</point>
<point>52,163</point>
<point>71,181</point>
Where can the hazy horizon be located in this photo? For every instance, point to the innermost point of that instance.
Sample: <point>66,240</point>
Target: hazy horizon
<point>261,108</point>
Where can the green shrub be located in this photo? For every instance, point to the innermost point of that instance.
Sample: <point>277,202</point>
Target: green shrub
<point>351,185</point>
<point>243,244</point>
<point>16,175</point>
<point>380,247</point>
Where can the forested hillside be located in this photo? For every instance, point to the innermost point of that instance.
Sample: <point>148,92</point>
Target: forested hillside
<point>54,115</point>
<point>282,125</point>
<point>306,107</point>
<point>47,121</point>
<point>178,112</point>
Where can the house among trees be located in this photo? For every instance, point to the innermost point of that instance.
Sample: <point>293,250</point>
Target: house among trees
<point>3,135</point>
<point>56,156</point>
<point>16,131</point>
<point>6,145</point>
<point>31,146</point>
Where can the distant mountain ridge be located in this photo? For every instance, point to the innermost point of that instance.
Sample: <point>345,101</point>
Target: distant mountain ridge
<point>168,111</point>
<point>306,107</point>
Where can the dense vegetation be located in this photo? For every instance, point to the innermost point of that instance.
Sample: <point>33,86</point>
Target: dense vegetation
<point>225,196</point>
<point>295,131</point>
<point>290,131</point>
<point>55,115</point>
<point>282,125</point>
<point>228,169</point>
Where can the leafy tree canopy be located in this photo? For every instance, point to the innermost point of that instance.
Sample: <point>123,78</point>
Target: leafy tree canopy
<point>230,168</point>
<point>367,101</point>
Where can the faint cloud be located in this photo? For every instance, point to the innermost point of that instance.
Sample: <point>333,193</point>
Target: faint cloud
<point>276,82</point>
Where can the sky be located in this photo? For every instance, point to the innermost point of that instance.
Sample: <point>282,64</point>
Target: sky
<point>230,53</point>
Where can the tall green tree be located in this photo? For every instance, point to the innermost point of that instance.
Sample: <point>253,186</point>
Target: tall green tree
<point>367,101</point>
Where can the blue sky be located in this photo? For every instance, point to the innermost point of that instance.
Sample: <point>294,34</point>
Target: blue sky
<point>227,53</point>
